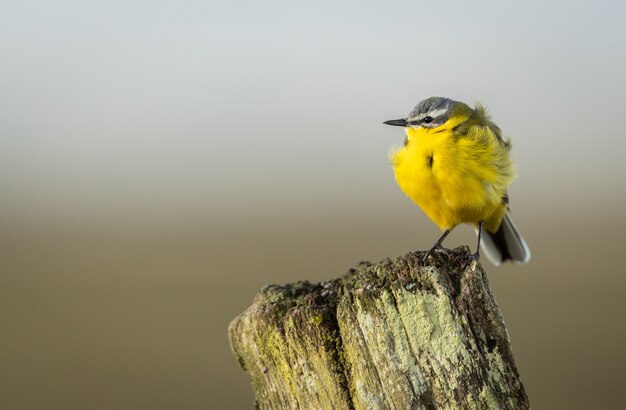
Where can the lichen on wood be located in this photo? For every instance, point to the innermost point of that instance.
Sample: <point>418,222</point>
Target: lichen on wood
<point>399,334</point>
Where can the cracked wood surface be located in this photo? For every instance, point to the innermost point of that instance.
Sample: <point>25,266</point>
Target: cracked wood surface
<point>393,335</point>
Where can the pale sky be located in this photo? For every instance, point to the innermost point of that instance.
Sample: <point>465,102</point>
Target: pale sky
<point>225,110</point>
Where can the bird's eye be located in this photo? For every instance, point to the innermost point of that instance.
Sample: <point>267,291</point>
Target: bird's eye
<point>427,119</point>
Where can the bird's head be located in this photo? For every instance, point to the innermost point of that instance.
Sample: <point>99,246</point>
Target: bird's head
<point>434,113</point>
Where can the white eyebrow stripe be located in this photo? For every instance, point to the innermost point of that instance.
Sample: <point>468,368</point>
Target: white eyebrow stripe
<point>437,113</point>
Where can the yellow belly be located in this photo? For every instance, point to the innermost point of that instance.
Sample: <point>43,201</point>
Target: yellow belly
<point>454,180</point>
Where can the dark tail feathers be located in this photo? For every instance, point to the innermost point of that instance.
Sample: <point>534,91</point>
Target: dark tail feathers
<point>505,244</point>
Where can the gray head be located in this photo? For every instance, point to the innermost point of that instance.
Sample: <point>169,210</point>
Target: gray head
<point>430,113</point>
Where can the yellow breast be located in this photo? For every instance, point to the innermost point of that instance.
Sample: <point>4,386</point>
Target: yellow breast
<point>455,179</point>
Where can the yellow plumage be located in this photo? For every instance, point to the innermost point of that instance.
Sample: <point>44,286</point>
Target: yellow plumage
<point>455,179</point>
<point>457,171</point>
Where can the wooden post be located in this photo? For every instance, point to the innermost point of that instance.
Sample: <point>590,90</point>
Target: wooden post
<point>392,335</point>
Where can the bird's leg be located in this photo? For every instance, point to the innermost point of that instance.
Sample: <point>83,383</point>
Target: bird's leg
<point>476,255</point>
<point>437,244</point>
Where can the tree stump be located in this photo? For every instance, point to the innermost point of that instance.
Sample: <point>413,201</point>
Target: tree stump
<point>399,334</point>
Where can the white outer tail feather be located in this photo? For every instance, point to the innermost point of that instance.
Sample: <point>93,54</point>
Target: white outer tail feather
<point>516,246</point>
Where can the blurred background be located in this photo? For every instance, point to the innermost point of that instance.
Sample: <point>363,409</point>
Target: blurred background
<point>161,161</point>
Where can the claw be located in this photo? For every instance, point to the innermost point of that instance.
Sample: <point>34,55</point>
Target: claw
<point>474,257</point>
<point>436,246</point>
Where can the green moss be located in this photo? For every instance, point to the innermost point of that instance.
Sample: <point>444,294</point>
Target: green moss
<point>417,331</point>
<point>316,320</point>
<point>389,335</point>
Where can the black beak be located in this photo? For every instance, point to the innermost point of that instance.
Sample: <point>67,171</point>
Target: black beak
<point>399,123</point>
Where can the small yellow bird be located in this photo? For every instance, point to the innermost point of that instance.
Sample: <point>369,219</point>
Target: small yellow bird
<point>456,166</point>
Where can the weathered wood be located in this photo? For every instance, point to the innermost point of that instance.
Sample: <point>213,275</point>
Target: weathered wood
<point>392,335</point>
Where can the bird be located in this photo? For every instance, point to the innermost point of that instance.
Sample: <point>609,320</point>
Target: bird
<point>456,166</point>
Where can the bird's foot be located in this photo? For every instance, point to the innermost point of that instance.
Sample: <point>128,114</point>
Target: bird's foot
<point>436,248</point>
<point>473,257</point>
